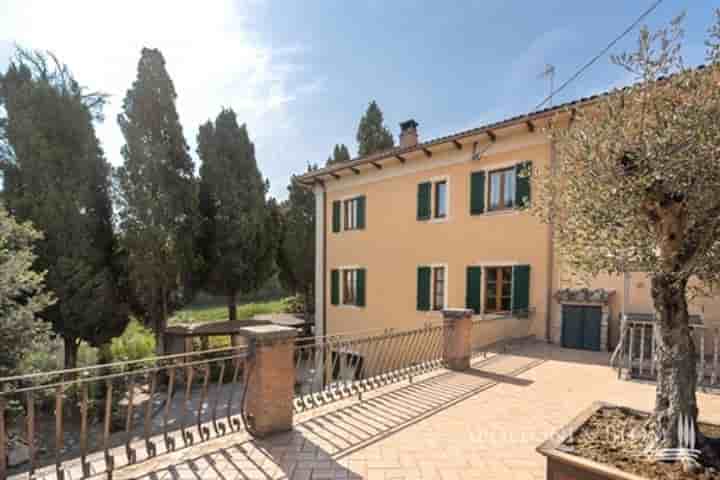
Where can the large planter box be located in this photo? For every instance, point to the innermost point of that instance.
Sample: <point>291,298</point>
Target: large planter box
<point>565,466</point>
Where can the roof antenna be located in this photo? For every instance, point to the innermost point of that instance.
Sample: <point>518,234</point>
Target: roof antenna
<point>549,73</point>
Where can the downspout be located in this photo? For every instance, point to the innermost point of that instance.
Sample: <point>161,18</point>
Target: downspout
<point>551,258</point>
<point>324,265</point>
<point>320,246</point>
<point>626,293</point>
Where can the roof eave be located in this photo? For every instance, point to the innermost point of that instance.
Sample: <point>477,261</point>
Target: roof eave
<point>488,130</point>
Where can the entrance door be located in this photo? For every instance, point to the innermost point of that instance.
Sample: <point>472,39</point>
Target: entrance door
<point>581,327</point>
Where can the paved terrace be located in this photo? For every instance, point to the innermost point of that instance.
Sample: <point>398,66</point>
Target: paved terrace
<point>480,424</point>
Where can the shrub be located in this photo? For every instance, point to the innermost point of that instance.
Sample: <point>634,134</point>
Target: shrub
<point>294,305</point>
<point>136,343</point>
<point>43,356</point>
<point>87,355</point>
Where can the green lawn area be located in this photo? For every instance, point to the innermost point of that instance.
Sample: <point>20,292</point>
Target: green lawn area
<point>215,310</point>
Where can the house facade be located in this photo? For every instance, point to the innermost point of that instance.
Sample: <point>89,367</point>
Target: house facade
<point>405,233</point>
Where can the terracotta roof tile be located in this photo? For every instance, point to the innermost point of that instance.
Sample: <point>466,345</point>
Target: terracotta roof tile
<point>310,177</point>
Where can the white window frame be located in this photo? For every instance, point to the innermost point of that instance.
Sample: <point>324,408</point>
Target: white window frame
<point>341,287</point>
<point>446,283</point>
<point>483,282</point>
<point>488,195</point>
<point>488,170</point>
<point>433,181</point>
<point>354,204</point>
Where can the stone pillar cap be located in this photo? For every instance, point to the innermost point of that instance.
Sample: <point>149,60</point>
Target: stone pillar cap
<point>268,333</point>
<point>457,313</point>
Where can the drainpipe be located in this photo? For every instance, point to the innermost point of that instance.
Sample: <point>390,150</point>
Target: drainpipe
<point>320,259</point>
<point>551,258</point>
<point>626,292</point>
<point>324,265</point>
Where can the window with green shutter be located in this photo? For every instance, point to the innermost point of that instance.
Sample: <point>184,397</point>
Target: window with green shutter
<point>473,285</point>
<point>335,287</point>
<point>498,289</point>
<point>360,212</point>
<point>502,191</point>
<point>424,205</point>
<point>348,287</point>
<point>336,216</point>
<point>360,287</point>
<point>423,288</point>
<point>477,193</point>
<point>521,289</point>
<point>353,214</point>
<point>523,173</point>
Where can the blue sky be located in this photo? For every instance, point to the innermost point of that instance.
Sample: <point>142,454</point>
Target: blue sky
<point>301,73</point>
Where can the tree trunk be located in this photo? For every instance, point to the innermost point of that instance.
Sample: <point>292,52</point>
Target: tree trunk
<point>232,305</point>
<point>676,360</point>
<point>161,323</point>
<point>71,351</point>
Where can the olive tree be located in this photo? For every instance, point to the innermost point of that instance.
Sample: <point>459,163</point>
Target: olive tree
<point>635,185</point>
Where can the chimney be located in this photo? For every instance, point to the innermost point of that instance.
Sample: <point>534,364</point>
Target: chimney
<point>408,133</point>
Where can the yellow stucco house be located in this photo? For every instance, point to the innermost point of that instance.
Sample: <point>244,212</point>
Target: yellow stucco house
<point>404,233</point>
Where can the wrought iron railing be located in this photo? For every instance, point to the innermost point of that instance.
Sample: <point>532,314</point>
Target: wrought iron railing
<point>332,368</point>
<point>635,352</point>
<point>121,413</point>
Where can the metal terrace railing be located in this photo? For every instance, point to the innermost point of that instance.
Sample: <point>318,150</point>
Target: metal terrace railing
<point>122,413</point>
<point>92,421</point>
<point>635,352</point>
<point>336,367</point>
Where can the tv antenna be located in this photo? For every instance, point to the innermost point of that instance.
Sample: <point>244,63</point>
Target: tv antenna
<point>549,73</point>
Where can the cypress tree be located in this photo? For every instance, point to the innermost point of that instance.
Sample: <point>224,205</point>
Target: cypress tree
<point>372,135</point>
<point>340,154</point>
<point>239,233</point>
<point>296,257</point>
<point>156,192</point>
<point>56,176</point>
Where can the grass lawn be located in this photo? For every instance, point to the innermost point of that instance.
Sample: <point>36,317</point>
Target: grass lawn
<point>216,311</point>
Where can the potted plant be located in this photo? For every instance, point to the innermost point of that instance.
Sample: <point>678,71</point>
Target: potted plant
<point>635,186</point>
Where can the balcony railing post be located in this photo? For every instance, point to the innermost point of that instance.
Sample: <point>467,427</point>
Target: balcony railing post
<point>269,379</point>
<point>457,338</point>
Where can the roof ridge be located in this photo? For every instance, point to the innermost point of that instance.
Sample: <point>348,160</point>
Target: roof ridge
<point>399,150</point>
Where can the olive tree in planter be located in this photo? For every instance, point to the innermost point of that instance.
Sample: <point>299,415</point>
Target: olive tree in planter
<point>635,181</point>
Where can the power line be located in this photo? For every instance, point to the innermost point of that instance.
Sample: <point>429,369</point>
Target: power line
<point>600,55</point>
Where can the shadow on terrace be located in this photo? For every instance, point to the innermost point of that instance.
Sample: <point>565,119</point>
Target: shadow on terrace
<point>322,439</point>
<point>180,416</point>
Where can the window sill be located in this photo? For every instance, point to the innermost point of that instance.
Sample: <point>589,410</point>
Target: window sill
<point>489,317</point>
<point>342,305</point>
<point>496,213</point>
<point>434,220</point>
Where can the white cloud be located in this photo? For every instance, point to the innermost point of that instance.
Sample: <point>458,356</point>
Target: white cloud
<point>212,53</point>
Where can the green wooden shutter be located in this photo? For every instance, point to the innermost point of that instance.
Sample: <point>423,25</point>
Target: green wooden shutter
<point>477,193</point>
<point>473,285</point>
<point>335,287</point>
<point>336,216</point>
<point>361,212</point>
<point>424,207</point>
<point>523,175</point>
<point>360,273</point>
<point>423,288</point>
<point>521,289</point>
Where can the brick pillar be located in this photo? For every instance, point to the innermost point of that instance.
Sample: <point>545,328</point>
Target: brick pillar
<point>270,377</point>
<point>457,330</point>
